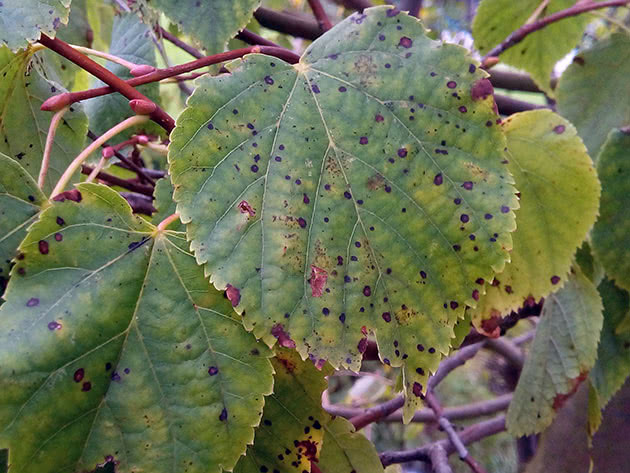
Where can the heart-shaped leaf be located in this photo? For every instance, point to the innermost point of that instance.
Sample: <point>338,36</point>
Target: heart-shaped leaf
<point>360,189</point>
<point>115,350</point>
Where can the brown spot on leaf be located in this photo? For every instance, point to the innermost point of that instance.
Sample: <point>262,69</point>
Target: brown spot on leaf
<point>308,448</point>
<point>233,295</point>
<point>244,207</point>
<point>561,399</point>
<point>283,337</point>
<point>492,327</point>
<point>73,195</point>
<point>481,89</point>
<point>317,280</point>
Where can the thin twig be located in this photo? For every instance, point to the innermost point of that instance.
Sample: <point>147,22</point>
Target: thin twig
<point>508,105</point>
<point>194,52</point>
<point>117,181</point>
<point>84,62</point>
<point>320,15</point>
<point>97,169</point>
<point>163,225</point>
<point>140,204</point>
<point>467,411</point>
<point>70,97</point>
<point>159,44</point>
<point>151,173</point>
<point>508,350</point>
<point>76,163</point>
<point>142,173</point>
<point>287,23</point>
<point>439,460</point>
<point>358,5</point>
<point>252,38</point>
<point>520,34</point>
<point>50,140</point>
<point>515,81</point>
<point>469,435</point>
<point>412,6</point>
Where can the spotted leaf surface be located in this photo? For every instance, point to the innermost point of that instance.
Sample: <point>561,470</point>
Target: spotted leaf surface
<point>24,127</point>
<point>612,367</point>
<point>346,451</point>
<point>538,52</point>
<point>612,230</point>
<point>291,433</point>
<point>594,93</point>
<point>158,378</point>
<point>211,22</point>
<point>20,202</point>
<point>361,189</point>
<point>559,198</point>
<point>22,21</point>
<point>563,352</point>
<point>131,41</point>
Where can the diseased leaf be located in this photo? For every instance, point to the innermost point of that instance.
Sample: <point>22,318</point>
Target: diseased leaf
<point>559,199</point>
<point>594,91</point>
<point>346,451</point>
<point>20,201</point>
<point>211,22</point>
<point>539,51</point>
<point>24,127</point>
<point>115,349</point>
<point>131,40</point>
<point>613,356</point>
<point>612,231</point>
<point>361,189</point>
<point>292,429</point>
<point>23,21</point>
<point>563,352</point>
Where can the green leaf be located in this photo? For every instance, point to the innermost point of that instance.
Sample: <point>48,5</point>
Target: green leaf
<point>20,201</point>
<point>329,196</point>
<point>612,230</point>
<point>114,348</point>
<point>24,127</point>
<point>538,52</point>
<point>594,91</point>
<point>563,352</point>
<point>589,263</point>
<point>165,205</point>
<point>346,451</point>
<point>131,40</point>
<point>211,22</point>
<point>613,357</point>
<point>559,198</point>
<point>23,21</point>
<point>292,428</point>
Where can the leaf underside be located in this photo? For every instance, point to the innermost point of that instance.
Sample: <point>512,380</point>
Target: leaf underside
<point>116,350</point>
<point>559,197</point>
<point>563,352</point>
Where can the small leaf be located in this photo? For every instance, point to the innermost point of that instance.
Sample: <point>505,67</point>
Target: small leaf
<point>332,193</point>
<point>594,91</point>
<point>346,451</point>
<point>292,429</point>
<point>20,202</point>
<point>613,356</point>
<point>559,198</point>
<point>563,352</point>
<point>211,22</point>
<point>116,350</point>
<point>539,51</point>
<point>23,21</point>
<point>612,231</point>
<point>24,127</point>
<point>131,40</point>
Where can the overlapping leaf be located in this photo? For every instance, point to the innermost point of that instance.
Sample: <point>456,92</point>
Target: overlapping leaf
<point>611,234</point>
<point>538,52</point>
<point>211,22</point>
<point>563,352</point>
<point>23,127</point>
<point>361,189</point>
<point>22,21</point>
<point>594,91</point>
<point>20,201</point>
<point>559,198</point>
<point>115,350</point>
<point>131,40</point>
<point>613,355</point>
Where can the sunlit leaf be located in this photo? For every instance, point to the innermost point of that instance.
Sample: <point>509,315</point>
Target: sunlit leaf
<point>20,201</point>
<point>24,127</point>
<point>563,352</point>
<point>115,349</point>
<point>611,234</point>
<point>361,189</point>
<point>594,91</point>
<point>22,21</point>
<point>539,51</point>
<point>559,199</point>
